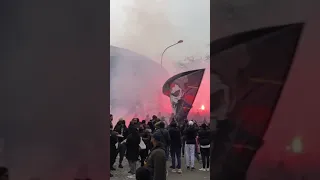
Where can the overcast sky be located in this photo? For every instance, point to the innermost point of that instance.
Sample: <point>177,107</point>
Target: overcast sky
<point>149,26</point>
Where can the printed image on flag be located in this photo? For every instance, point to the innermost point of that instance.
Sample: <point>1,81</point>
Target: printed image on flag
<point>248,73</point>
<point>182,90</point>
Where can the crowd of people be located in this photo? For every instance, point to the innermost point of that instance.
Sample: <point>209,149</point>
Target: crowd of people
<point>149,144</point>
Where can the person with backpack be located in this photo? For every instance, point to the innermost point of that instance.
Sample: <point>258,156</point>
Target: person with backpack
<point>165,138</point>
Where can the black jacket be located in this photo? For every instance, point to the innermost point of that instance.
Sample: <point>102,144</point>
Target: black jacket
<point>175,136</point>
<point>190,135</point>
<point>133,148</point>
<point>204,136</point>
<point>123,130</point>
<point>146,137</point>
<point>151,125</point>
<point>113,140</point>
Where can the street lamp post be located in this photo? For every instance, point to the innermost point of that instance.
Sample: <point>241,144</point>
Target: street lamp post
<point>180,41</point>
<point>160,94</point>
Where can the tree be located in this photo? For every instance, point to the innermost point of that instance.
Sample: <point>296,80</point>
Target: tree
<point>192,62</point>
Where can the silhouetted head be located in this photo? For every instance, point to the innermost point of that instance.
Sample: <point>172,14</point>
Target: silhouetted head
<point>134,121</point>
<point>156,139</point>
<point>173,124</point>
<point>204,126</point>
<point>162,125</point>
<point>143,173</point>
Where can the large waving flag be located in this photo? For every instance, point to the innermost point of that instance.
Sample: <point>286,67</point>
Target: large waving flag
<point>182,89</point>
<point>248,73</point>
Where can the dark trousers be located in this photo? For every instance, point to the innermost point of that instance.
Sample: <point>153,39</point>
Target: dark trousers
<point>183,146</point>
<point>205,155</point>
<point>175,156</point>
<point>143,156</point>
<point>167,152</point>
<point>196,154</point>
<point>121,151</point>
<point>132,166</point>
<point>113,155</point>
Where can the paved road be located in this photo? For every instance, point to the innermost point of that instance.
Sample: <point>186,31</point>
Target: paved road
<point>121,174</point>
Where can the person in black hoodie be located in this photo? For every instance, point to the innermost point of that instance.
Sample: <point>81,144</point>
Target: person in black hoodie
<point>190,138</point>
<point>132,125</point>
<point>175,147</point>
<point>122,130</point>
<point>132,143</point>
<point>113,148</point>
<point>204,138</point>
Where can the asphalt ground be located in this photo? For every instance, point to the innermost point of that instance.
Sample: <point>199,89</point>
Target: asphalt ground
<point>122,173</point>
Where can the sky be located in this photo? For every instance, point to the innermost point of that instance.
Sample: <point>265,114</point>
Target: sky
<point>149,26</point>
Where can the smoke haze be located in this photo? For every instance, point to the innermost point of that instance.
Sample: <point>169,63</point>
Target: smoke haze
<point>149,26</point>
<point>146,28</point>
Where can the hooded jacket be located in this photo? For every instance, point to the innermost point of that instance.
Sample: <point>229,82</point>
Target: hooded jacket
<point>190,135</point>
<point>204,136</point>
<point>156,163</point>
<point>175,135</point>
<point>133,141</point>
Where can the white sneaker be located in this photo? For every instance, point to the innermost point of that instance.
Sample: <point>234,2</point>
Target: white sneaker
<point>132,176</point>
<point>179,171</point>
<point>174,170</point>
<point>202,169</point>
<point>208,169</point>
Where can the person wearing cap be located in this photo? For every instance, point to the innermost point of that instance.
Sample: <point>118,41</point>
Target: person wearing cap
<point>156,161</point>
